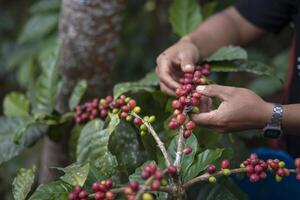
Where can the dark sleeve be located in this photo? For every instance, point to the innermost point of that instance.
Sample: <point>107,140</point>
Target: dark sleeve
<point>270,15</point>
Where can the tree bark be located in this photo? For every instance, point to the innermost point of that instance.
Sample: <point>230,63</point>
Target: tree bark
<point>89,32</point>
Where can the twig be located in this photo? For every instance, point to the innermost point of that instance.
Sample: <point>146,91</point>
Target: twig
<point>177,162</point>
<point>160,144</point>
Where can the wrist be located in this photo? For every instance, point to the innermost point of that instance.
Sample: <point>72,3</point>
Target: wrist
<point>265,114</point>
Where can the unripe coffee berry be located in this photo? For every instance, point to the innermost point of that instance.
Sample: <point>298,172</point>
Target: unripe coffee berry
<point>212,179</point>
<point>147,196</point>
<point>226,172</point>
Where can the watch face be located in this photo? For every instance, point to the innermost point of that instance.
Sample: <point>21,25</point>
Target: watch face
<point>272,133</point>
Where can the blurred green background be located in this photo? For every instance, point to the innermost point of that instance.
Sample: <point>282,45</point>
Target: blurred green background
<point>29,27</point>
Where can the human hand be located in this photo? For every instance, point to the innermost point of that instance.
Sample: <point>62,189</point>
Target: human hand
<point>173,62</point>
<point>240,109</point>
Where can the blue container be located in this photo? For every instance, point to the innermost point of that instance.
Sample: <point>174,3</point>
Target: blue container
<point>287,189</point>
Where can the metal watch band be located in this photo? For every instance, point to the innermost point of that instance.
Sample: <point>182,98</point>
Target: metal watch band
<point>277,115</point>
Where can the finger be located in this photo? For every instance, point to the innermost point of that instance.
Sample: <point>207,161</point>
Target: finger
<point>206,119</point>
<point>187,64</point>
<point>164,72</point>
<point>166,90</point>
<point>222,92</point>
<point>205,104</point>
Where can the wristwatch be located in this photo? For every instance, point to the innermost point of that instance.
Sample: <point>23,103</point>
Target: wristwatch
<point>273,128</point>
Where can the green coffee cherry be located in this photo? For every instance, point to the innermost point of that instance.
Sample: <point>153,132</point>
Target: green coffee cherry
<point>195,110</point>
<point>242,165</point>
<point>278,178</point>
<point>212,179</point>
<point>129,118</point>
<point>152,119</point>
<point>143,133</point>
<point>281,164</point>
<point>164,182</point>
<point>143,127</point>
<point>226,172</point>
<point>137,109</point>
<point>146,118</point>
<point>127,99</point>
<point>102,102</point>
<point>115,110</point>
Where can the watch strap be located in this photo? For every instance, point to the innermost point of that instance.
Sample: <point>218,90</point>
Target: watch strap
<point>276,115</point>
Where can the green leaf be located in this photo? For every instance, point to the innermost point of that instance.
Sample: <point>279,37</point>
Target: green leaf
<point>228,53</point>
<point>265,86</point>
<point>95,175</point>
<point>44,6</point>
<point>21,185</point>
<point>185,16</point>
<point>38,26</point>
<point>77,94</point>
<point>75,174</point>
<point>26,72</point>
<point>45,90</point>
<point>186,160</point>
<point>88,133</point>
<point>148,83</point>
<point>24,130</point>
<point>98,152</point>
<point>125,146</point>
<point>57,190</point>
<point>201,162</point>
<point>16,105</point>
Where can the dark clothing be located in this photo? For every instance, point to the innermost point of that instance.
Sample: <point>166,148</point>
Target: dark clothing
<point>272,16</point>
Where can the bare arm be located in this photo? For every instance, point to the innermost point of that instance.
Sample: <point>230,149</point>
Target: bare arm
<point>291,118</point>
<point>225,28</point>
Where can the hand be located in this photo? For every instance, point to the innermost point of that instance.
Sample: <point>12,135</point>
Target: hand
<point>241,109</point>
<point>177,59</point>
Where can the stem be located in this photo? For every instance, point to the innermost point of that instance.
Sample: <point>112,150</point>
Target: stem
<point>160,144</point>
<point>177,162</point>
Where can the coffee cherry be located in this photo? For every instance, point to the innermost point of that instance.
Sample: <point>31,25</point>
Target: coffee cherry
<point>225,164</point>
<point>281,164</point>
<point>158,175</point>
<point>138,121</point>
<point>298,177</point>
<point>109,195</point>
<point>155,185</point>
<point>77,189</point>
<point>250,169</point>
<point>176,104</point>
<point>226,172</point>
<point>173,125</point>
<point>125,108</point>
<point>297,163</point>
<point>172,170</point>
<point>152,168</point>
<point>134,185</point>
<point>128,191</point>
<point>145,175</point>
<point>123,115</point>
<point>83,194</point>
<point>180,118</point>
<point>278,178</point>
<point>187,134</point>
<point>99,195</point>
<point>137,109</point>
<point>195,110</point>
<point>187,150</point>
<point>152,119</point>
<point>254,178</point>
<point>190,125</point>
<point>212,179</point>
<point>109,183</point>
<point>211,169</point>
<point>147,196</point>
<point>72,196</point>
<point>95,187</point>
<point>143,133</point>
<point>262,175</point>
<point>102,187</point>
<point>143,127</point>
<point>132,104</point>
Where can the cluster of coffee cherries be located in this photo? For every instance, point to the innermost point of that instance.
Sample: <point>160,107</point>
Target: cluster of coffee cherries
<point>188,101</point>
<point>122,106</point>
<point>211,170</point>
<point>102,190</point>
<point>255,168</point>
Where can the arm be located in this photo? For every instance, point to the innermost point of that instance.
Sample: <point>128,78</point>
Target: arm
<point>225,28</point>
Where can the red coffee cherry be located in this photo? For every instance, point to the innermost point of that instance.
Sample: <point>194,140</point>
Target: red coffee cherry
<point>187,150</point>
<point>187,134</point>
<point>190,125</point>
<point>155,185</point>
<point>211,169</point>
<point>134,185</point>
<point>225,164</point>
<point>172,170</point>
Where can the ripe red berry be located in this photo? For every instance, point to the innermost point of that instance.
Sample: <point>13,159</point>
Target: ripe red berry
<point>225,164</point>
<point>297,163</point>
<point>190,125</point>
<point>187,150</point>
<point>77,189</point>
<point>72,196</point>
<point>108,183</point>
<point>155,185</point>
<point>180,118</point>
<point>254,178</point>
<point>211,169</point>
<point>83,194</point>
<point>109,195</point>
<point>99,195</point>
<point>172,170</point>
<point>152,168</point>
<point>134,185</point>
<point>109,99</point>
<point>187,134</point>
<point>176,104</point>
<point>102,187</point>
<point>145,174</point>
<point>123,115</point>
<point>298,177</point>
<point>258,169</point>
<point>132,103</point>
<point>250,169</point>
<point>138,121</point>
<point>159,175</point>
<point>173,125</point>
<point>125,108</point>
<point>95,187</point>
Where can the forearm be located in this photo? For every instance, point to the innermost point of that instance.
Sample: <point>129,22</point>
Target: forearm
<point>291,118</point>
<point>224,28</point>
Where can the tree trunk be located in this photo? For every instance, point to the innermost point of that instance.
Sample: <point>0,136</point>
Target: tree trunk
<point>89,34</point>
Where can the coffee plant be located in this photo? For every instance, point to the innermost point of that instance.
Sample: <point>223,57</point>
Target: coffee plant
<point>137,143</point>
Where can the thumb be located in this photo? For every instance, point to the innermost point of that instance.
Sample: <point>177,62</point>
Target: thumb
<point>206,119</point>
<point>187,64</point>
<point>221,92</point>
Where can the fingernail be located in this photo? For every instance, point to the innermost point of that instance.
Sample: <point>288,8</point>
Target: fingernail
<point>200,88</point>
<point>188,68</point>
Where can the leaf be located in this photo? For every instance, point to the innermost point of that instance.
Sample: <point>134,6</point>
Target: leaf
<point>95,175</point>
<point>21,185</point>
<point>16,105</point>
<point>45,90</point>
<point>24,129</point>
<point>186,160</point>
<point>86,137</point>
<point>44,6</point>
<point>26,72</point>
<point>148,83</point>
<point>228,53</point>
<point>202,161</point>
<point>38,26</point>
<point>77,94</point>
<point>75,174</point>
<point>125,146</point>
<point>265,86</point>
<point>98,152</point>
<point>57,190</point>
<point>185,16</point>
